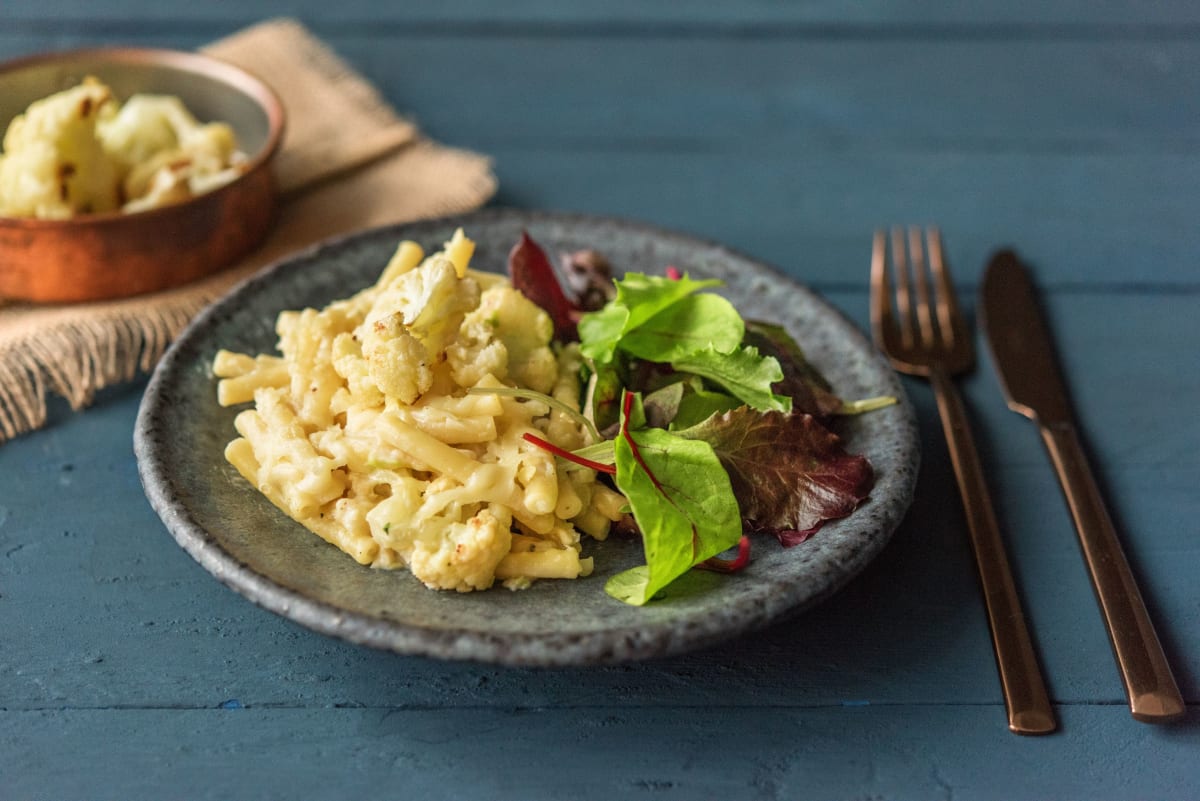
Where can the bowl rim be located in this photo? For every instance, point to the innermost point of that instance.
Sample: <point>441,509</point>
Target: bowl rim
<point>231,75</point>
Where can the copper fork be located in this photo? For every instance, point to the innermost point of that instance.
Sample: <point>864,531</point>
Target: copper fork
<point>923,333</point>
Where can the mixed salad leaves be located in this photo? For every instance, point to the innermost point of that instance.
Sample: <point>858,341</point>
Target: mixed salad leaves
<point>713,427</point>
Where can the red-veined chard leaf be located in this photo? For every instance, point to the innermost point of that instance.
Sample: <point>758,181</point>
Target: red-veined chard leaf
<point>682,500</point>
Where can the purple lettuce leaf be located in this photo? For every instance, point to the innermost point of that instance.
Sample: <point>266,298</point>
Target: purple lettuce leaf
<point>790,474</point>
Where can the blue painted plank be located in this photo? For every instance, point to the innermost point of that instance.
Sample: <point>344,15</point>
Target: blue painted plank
<point>757,14</point>
<point>787,95</point>
<point>710,751</point>
<point>1118,220</point>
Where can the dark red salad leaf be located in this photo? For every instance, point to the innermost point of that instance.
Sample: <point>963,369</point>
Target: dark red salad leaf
<point>790,473</point>
<point>531,273</point>
<point>808,389</point>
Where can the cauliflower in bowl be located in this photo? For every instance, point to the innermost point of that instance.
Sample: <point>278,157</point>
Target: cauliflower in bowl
<point>80,151</point>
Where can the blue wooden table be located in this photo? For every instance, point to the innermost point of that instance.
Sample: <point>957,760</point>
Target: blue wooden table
<point>1070,130</point>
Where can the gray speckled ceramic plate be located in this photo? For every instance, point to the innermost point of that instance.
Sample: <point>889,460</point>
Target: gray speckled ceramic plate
<point>238,536</point>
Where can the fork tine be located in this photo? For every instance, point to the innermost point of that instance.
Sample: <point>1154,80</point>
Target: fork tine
<point>903,291</point>
<point>950,319</point>
<point>914,310</point>
<point>882,319</point>
<point>916,257</point>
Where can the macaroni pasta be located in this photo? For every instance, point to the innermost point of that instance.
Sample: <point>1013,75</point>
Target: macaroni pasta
<point>363,429</point>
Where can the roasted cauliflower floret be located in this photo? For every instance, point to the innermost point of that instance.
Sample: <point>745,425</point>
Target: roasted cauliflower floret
<point>412,322</point>
<point>351,365</point>
<point>434,300</point>
<point>464,558</point>
<point>526,331</point>
<point>443,545</point>
<point>399,363</point>
<point>476,353</point>
<point>165,154</point>
<point>53,165</point>
<point>80,152</point>
<point>143,126</point>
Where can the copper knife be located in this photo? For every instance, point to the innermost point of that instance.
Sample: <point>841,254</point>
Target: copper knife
<point>1023,352</point>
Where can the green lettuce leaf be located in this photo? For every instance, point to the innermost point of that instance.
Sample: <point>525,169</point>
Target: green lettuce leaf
<point>699,404</point>
<point>745,374</point>
<point>600,331</point>
<point>647,295</point>
<point>690,324</point>
<point>639,297</point>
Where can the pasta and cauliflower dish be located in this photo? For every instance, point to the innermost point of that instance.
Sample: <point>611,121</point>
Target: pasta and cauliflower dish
<point>80,151</point>
<point>474,428</point>
<point>381,427</point>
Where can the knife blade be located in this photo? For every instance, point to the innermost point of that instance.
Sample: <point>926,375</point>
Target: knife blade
<point>1023,352</point>
<point>1021,344</point>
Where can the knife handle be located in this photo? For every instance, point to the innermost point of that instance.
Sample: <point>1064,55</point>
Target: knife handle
<point>1153,694</point>
<point>1029,710</point>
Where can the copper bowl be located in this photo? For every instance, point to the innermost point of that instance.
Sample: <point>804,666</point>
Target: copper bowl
<point>112,255</point>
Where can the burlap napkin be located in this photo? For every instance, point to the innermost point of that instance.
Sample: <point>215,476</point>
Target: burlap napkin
<point>348,163</point>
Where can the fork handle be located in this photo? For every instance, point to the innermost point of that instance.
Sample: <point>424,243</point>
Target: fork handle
<point>1029,710</point>
<point>1153,694</point>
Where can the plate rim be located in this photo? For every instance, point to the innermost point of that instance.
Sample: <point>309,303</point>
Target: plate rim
<point>525,649</point>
